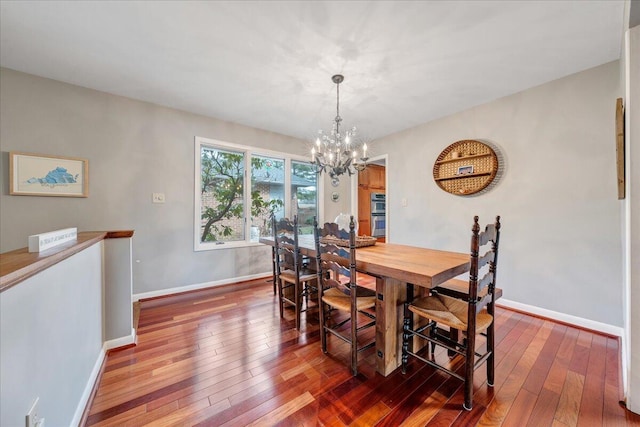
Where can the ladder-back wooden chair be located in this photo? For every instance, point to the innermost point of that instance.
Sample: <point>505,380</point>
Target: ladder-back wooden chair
<point>471,312</point>
<point>293,278</point>
<point>343,304</point>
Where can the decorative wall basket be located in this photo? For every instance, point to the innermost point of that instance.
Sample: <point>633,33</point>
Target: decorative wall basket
<point>465,167</point>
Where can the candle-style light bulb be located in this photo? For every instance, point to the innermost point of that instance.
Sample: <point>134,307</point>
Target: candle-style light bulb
<point>313,154</point>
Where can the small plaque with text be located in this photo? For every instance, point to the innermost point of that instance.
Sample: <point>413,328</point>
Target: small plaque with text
<point>42,242</point>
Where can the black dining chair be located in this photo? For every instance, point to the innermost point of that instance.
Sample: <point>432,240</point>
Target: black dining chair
<point>294,278</point>
<point>470,312</point>
<point>346,309</point>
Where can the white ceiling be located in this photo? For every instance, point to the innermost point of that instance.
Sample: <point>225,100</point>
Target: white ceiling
<point>268,64</point>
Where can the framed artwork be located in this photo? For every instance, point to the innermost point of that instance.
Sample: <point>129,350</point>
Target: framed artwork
<point>43,175</point>
<point>465,170</point>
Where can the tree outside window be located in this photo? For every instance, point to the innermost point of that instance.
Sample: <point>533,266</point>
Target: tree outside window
<point>239,192</point>
<point>222,183</point>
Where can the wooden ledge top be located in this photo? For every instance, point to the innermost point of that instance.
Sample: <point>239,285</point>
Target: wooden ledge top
<point>17,265</point>
<point>119,234</point>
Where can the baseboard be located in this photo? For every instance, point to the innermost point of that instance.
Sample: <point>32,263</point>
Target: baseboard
<point>198,286</point>
<point>121,342</point>
<point>603,328</point>
<point>83,404</point>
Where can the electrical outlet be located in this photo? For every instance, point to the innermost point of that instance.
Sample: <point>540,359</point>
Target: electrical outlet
<point>33,417</point>
<point>158,197</point>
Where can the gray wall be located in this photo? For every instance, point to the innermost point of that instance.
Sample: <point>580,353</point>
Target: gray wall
<point>561,248</point>
<point>118,283</point>
<point>557,196</point>
<point>134,149</point>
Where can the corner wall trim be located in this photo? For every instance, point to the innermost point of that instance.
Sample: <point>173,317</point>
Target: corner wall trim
<point>121,342</point>
<point>197,286</point>
<point>604,328</point>
<point>88,389</point>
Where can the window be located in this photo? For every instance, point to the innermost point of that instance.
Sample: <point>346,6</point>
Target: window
<point>239,188</point>
<point>267,194</point>
<point>221,193</point>
<point>304,195</point>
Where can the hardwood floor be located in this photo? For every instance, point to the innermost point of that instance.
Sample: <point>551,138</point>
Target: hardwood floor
<point>223,356</point>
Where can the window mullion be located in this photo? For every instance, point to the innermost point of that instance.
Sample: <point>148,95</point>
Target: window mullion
<point>288,203</point>
<point>247,196</point>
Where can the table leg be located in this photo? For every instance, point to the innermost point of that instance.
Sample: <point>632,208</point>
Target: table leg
<point>391,295</point>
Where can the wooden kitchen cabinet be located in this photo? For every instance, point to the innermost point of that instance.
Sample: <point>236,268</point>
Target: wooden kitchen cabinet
<point>364,211</point>
<point>363,179</point>
<point>373,177</point>
<point>364,227</point>
<point>376,177</point>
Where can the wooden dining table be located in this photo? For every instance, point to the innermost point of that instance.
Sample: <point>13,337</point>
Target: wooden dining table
<point>394,266</point>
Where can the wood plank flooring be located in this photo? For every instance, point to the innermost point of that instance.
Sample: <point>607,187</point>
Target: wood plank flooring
<point>223,357</point>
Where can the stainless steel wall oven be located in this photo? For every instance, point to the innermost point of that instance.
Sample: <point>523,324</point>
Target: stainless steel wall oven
<point>378,214</point>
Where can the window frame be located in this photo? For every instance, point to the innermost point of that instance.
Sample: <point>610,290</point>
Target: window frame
<point>248,152</point>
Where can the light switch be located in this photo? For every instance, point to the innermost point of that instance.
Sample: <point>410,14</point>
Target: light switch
<point>404,203</point>
<point>158,197</point>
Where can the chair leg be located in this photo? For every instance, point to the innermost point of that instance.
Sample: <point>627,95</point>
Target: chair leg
<point>468,371</point>
<point>405,337</point>
<point>407,327</point>
<point>322,314</point>
<point>280,296</point>
<point>354,340</point>
<point>491,359</point>
<point>432,333</point>
<point>454,335</point>
<point>273,268</point>
<point>298,299</point>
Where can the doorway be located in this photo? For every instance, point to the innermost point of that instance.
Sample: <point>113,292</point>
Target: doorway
<point>370,196</point>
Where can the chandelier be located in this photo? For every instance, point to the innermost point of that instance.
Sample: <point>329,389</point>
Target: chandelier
<point>337,153</point>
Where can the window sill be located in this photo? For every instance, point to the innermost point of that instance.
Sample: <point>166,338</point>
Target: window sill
<point>226,245</point>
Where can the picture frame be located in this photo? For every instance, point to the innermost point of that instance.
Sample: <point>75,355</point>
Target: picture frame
<point>465,170</point>
<point>46,175</point>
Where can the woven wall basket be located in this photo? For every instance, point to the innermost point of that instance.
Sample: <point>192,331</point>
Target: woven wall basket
<point>465,167</point>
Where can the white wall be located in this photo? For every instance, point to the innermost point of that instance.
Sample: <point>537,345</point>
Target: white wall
<point>51,340</point>
<point>343,204</point>
<point>632,226</point>
<point>134,149</point>
<point>561,247</point>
